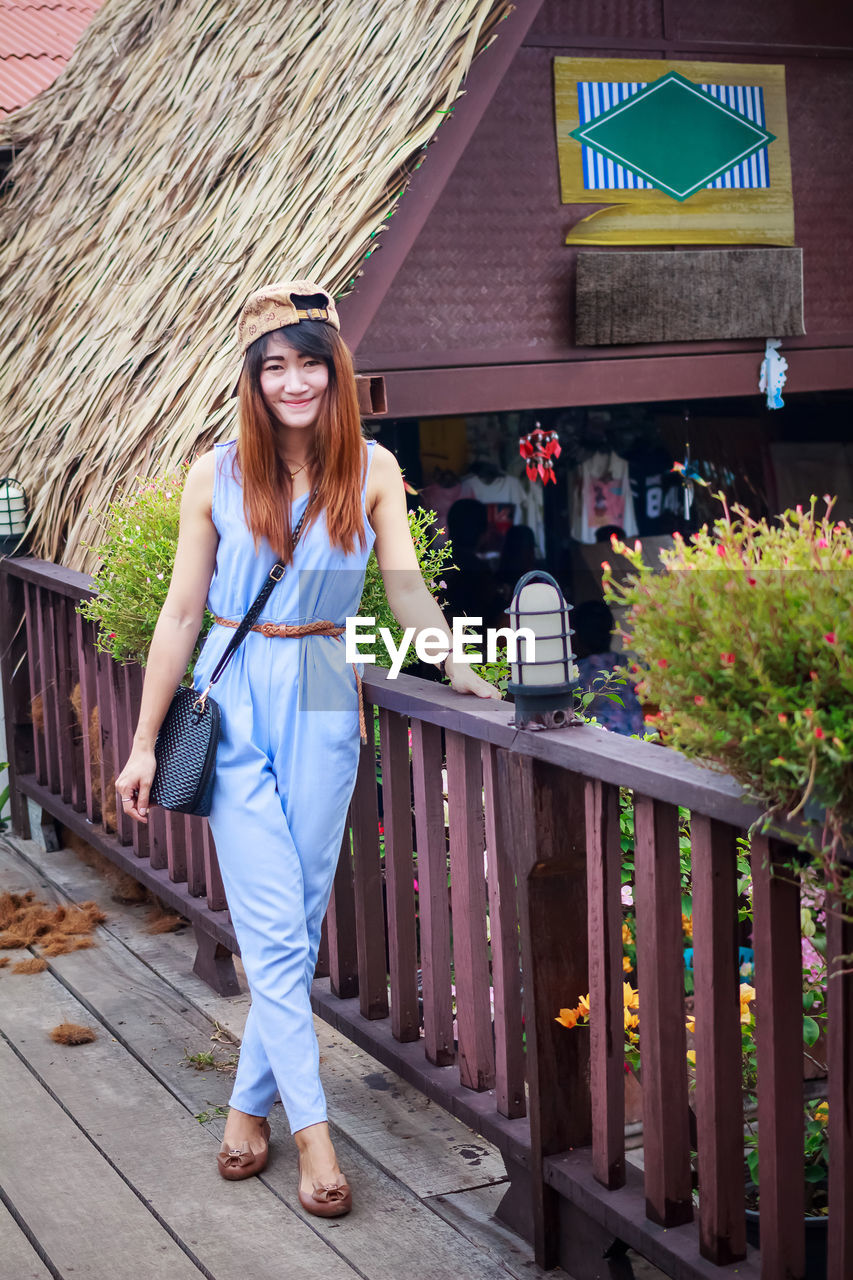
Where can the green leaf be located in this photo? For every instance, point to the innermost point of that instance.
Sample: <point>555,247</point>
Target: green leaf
<point>811,1031</point>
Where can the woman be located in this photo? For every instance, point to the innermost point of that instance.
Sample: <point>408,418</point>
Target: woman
<point>289,744</point>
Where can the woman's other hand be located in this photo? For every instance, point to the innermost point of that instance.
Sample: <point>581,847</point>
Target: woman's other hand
<point>465,680</point>
<point>133,784</point>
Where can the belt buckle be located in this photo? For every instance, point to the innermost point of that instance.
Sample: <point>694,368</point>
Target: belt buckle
<point>277,577</point>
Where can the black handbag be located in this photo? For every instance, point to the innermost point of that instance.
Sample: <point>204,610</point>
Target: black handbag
<point>185,750</point>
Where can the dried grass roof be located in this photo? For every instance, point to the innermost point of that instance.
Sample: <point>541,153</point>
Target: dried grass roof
<point>190,151</point>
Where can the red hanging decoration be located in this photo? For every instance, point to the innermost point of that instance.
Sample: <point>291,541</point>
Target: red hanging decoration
<point>539,448</point>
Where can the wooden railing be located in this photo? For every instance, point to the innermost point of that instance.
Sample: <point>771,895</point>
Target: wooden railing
<point>449,957</point>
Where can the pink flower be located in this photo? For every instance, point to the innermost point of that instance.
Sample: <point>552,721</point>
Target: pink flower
<point>721,551</point>
<point>627,896</point>
<point>809,712</point>
<point>830,637</point>
<point>819,733</point>
<point>727,659</point>
<point>662,662</point>
<point>751,581</point>
<point>699,700</point>
<point>783,719</point>
<point>822,542</point>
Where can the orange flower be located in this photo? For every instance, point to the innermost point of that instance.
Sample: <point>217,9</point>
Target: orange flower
<point>631,998</point>
<point>568,1017</point>
<point>626,964</point>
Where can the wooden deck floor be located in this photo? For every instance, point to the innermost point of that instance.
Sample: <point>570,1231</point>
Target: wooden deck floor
<point>107,1149</point>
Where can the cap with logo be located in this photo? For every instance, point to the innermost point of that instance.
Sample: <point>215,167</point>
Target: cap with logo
<point>274,306</point>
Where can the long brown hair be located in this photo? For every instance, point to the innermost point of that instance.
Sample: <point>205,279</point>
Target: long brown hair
<point>337,458</point>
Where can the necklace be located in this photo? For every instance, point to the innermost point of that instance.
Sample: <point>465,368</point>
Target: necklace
<point>298,469</point>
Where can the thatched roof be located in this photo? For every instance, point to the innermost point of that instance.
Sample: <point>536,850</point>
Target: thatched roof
<point>190,151</point>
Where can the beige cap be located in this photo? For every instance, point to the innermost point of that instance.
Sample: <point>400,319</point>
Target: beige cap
<point>272,307</point>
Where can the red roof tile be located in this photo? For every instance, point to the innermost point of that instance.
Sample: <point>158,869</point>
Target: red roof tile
<point>36,41</point>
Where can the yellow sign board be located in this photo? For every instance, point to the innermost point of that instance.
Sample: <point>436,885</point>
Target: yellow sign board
<point>751,203</point>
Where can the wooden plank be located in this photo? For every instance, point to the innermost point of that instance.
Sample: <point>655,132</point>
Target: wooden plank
<point>65,713</point>
<point>399,874</point>
<point>58,1209</point>
<point>195,855</point>
<point>839,1060</point>
<point>216,899</point>
<point>468,906</point>
<point>115,694</point>
<point>176,846</point>
<point>367,882</point>
<point>47,670</point>
<point>433,905</point>
<point>506,952</point>
<point>472,1213</point>
<point>106,767</point>
<point>663,1046</point>
<point>547,844</point>
<point>607,1019</point>
<point>20,1256</point>
<point>14,662</point>
<point>128,711</point>
<point>719,1092</point>
<point>155,832</point>
<point>340,917</point>
<point>35,674</point>
<point>778,1036</point>
<point>85,648</point>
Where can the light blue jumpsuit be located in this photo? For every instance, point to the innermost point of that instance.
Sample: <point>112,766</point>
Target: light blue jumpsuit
<point>285,773</point>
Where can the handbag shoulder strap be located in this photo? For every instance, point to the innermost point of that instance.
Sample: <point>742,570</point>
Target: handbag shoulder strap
<point>275,575</point>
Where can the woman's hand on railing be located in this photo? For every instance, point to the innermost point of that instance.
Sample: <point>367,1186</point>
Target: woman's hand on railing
<point>133,784</point>
<point>464,680</point>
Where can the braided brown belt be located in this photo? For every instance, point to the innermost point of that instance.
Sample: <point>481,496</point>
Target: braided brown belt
<point>320,627</point>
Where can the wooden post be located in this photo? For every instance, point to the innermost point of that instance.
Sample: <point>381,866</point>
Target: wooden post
<point>545,807</point>
<point>432,893</point>
<point>340,918</point>
<point>607,1017</point>
<point>399,875</point>
<point>367,873</point>
<point>719,1089</point>
<point>663,1039</point>
<point>839,937</point>
<point>14,661</point>
<point>468,905</point>
<point>779,1046</point>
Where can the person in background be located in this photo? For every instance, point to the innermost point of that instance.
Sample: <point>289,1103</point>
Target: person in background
<point>592,623</point>
<point>472,590</point>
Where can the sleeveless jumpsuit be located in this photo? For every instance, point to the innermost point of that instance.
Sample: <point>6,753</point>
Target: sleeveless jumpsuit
<point>285,773</point>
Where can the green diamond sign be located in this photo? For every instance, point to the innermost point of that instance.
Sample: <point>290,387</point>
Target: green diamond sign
<point>675,135</point>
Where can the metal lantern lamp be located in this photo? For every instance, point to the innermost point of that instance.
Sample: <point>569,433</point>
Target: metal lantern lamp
<point>542,684</point>
<point>13,514</point>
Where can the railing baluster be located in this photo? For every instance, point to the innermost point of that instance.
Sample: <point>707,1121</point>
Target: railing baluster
<point>106,765</point>
<point>433,907</point>
<point>31,594</point>
<point>779,1049</point>
<point>47,667</point>
<point>719,1102</point>
<point>367,872</point>
<point>85,645</point>
<point>216,899</point>
<point>64,710</point>
<point>839,1060</point>
<point>663,1043</point>
<point>506,951</point>
<point>607,1018</point>
<point>343,949</point>
<point>195,855</point>
<point>399,875</point>
<point>124,825</point>
<point>468,905</point>
<point>176,846</point>
<point>128,712</point>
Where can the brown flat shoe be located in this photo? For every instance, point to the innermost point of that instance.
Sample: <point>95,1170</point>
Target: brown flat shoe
<point>325,1201</point>
<point>242,1162</point>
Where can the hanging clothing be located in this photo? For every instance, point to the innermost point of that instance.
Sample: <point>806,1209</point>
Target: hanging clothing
<point>657,491</point>
<point>503,499</point>
<point>285,773</point>
<point>601,495</point>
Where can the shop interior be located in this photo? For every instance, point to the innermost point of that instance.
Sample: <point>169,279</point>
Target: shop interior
<point>621,467</point>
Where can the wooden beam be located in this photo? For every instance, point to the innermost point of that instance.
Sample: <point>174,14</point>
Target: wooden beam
<point>427,183</point>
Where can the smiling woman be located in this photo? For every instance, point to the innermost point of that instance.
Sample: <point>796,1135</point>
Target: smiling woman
<point>284,774</point>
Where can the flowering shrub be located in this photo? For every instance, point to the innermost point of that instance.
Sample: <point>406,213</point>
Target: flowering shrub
<point>746,646</point>
<point>136,553</point>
